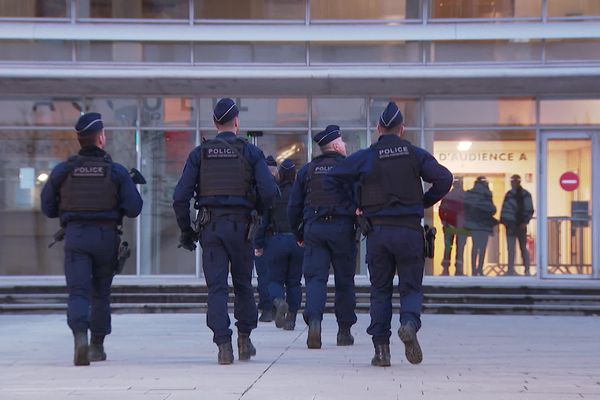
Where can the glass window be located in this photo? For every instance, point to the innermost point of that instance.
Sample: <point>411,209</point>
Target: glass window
<point>250,9</point>
<point>35,50</point>
<point>484,51</point>
<point>365,10</point>
<point>248,53</point>
<point>167,111</point>
<point>34,9</point>
<point>284,144</point>
<point>133,52</point>
<point>163,155</point>
<point>470,240</point>
<point>572,50</point>
<point>570,112</point>
<point>459,9</point>
<point>146,9</point>
<point>115,111</point>
<point>354,139</point>
<point>412,135</point>
<point>370,53</point>
<point>41,111</point>
<point>573,8</point>
<point>345,112</point>
<point>410,109</point>
<point>257,113</point>
<point>482,112</point>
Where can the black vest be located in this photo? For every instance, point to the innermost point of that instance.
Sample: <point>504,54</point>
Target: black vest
<point>88,186</point>
<point>316,195</point>
<point>224,171</point>
<point>395,178</point>
<point>279,218</point>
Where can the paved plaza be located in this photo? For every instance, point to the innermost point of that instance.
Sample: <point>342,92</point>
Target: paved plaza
<point>171,356</point>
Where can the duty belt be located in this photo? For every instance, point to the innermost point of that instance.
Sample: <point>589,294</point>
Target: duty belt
<point>101,222</point>
<point>236,212</point>
<point>406,222</point>
<point>332,218</point>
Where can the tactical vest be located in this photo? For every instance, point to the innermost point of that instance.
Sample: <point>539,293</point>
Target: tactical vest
<point>316,195</point>
<point>279,218</point>
<point>224,171</point>
<point>395,178</point>
<point>88,186</point>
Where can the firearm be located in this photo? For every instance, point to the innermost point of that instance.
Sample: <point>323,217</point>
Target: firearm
<point>364,225</point>
<point>123,254</point>
<point>137,177</point>
<point>202,218</point>
<point>58,236</point>
<point>429,241</point>
<point>255,221</point>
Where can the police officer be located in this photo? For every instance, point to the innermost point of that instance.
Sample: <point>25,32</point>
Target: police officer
<point>391,198</point>
<point>225,174</point>
<point>283,253</point>
<point>265,304</point>
<point>328,236</point>
<point>90,194</point>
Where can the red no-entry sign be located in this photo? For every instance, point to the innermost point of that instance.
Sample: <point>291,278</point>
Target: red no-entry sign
<point>569,181</point>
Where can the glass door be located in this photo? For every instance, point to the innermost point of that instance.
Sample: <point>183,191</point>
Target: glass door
<point>566,204</point>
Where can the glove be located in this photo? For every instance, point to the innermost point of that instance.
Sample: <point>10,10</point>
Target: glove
<point>187,239</point>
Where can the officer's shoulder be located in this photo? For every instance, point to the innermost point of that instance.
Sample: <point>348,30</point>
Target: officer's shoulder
<point>119,169</point>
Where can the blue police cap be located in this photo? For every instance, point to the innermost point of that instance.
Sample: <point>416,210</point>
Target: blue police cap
<point>330,133</point>
<point>225,111</point>
<point>271,161</point>
<point>89,123</point>
<point>391,117</point>
<point>287,164</point>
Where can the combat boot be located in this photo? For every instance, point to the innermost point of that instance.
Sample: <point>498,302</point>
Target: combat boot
<point>290,321</point>
<point>314,334</point>
<point>412,349</point>
<point>81,348</point>
<point>344,337</point>
<point>96,351</point>
<point>266,315</point>
<point>225,356</point>
<point>382,356</point>
<point>245,347</point>
<point>281,309</point>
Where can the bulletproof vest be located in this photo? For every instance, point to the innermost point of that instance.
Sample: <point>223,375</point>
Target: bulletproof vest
<point>279,218</point>
<point>395,178</point>
<point>88,186</point>
<point>316,195</point>
<point>224,171</point>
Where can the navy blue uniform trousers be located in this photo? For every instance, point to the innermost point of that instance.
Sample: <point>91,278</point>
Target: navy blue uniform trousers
<point>394,250</point>
<point>285,259</point>
<point>224,244</point>
<point>330,243</point>
<point>90,257</point>
<point>262,276</point>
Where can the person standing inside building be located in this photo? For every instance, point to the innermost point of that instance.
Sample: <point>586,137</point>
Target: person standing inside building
<point>229,178</point>
<point>283,253</point>
<point>479,221</point>
<point>328,234</point>
<point>392,202</point>
<point>265,304</point>
<point>517,211</point>
<point>90,194</point>
<point>453,220</point>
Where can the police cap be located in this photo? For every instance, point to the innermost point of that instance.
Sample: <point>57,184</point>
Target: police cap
<point>271,161</point>
<point>328,135</point>
<point>287,164</point>
<point>225,111</point>
<point>391,117</point>
<point>88,124</point>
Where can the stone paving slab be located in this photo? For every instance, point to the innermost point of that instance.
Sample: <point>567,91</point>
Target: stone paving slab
<point>171,356</point>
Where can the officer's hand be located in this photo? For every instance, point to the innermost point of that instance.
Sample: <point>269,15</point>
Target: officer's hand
<point>187,239</point>
<point>300,243</point>
<point>258,252</point>
<point>359,212</point>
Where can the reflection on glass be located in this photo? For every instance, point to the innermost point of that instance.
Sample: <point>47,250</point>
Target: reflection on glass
<point>365,10</point>
<point>483,112</point>
<point>133,52</point>
<point>35,50</point>
<point>249,53</point>
<point>569,200</point>
<point>484,51</point>
<point>371,53</point>
<point>163,156</point>
<point>573,8</point>
<point>167,111</point>
<point>147,9</point>
<point>115,111</point>
<point>572,50</point>
<point>570,112</point>
<point>355,140</point>
<point>257,112</point>
<point>468,220</point>
<point>34,9</point>
<point>283,145</point>
<point>250,9</point>
<point>485,9</point>
<point>410,109</point>
<point>40,111</point>
<point>345,112</point>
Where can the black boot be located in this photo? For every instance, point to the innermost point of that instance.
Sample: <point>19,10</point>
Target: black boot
<point>81,349</point>
<point>382,356</point>
<point>344,337</point>
<point>266,315</point>
<point>245,347</point>
<point>225,356</point>
<point>314,334</point>
<point>412,349</point>
<point>96,351</point>
<point>281,309</point>
<point>290,321</point>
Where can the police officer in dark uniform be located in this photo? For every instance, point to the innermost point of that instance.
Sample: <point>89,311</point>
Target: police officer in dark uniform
<point>90,194</point>
<point>328,235</point>
<point>391,198</point>
<point>283,254</point>
<point>265,303</point>
<point>229,178</point>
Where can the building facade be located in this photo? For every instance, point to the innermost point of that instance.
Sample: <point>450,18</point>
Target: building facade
<point>491,88</point>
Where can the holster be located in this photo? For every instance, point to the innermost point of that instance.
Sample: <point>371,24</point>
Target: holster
<point>203,217</point>
<point>255,222</point>
<point>364,225</point>
<point>429,234</point>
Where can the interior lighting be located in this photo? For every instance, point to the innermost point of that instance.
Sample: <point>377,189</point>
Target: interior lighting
<point>464,145</point>
<point>43,177</point>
